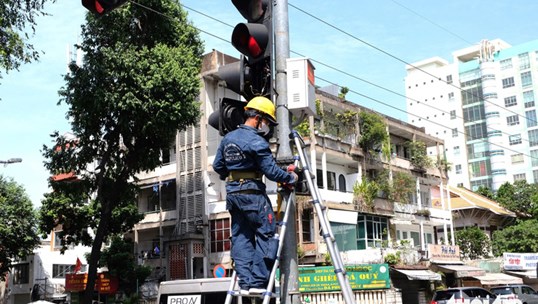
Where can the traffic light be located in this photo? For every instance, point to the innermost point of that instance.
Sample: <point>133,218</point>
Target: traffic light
<point>251,76</point>
<point>101,7</point>
<point>228,117</point>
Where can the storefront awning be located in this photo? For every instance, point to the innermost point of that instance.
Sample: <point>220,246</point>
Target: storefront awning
<point>420,274</point>
<point>462,271</point>
<point>529,274</point>
<point>498,279</point>
<point>343,216</point>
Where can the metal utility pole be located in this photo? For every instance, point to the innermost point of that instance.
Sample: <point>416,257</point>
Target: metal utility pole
<point>289,270</point>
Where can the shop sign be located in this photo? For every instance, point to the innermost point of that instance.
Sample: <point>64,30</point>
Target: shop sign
<point>103,284</point>
<point>520,261</point>
<point>367,276</point>
<point>441,254</point>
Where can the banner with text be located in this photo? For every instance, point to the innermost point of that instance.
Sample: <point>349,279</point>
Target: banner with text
<point>369,276</point>
<point>520,261</point>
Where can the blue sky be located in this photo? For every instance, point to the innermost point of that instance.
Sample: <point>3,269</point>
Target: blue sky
<point>409,31</point>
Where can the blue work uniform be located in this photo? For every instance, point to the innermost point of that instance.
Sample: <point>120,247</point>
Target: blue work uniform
<point>253,220</point>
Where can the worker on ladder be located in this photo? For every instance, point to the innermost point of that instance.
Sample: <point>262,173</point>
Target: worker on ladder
<point>242,158</point>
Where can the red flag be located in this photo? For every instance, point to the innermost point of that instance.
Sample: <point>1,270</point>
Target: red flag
<point>78,265</point>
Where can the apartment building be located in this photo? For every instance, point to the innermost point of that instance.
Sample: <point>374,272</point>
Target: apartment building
<point>482,104</point>
<point>184,200</point>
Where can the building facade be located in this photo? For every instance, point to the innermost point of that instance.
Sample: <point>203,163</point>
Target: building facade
<point>184,200</point>
<point>483,105</point>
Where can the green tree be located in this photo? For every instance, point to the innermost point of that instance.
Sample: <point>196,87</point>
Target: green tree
<point>137,87</point>
<point>373,131</point>
<point>16,18</point>
<point>473,243</point>
<point>485,191</point>
<point>18,233</point>
<point>521,237</point>
<point>519,197</point>
<point>121,262</point>
<point>419,156</point>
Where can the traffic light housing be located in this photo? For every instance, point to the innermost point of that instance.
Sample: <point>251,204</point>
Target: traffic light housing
<point>101,7</point>
<point>228,117</point>
<point>251,76</point>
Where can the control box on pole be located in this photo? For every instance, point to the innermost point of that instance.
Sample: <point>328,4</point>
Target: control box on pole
<point>301,86</point>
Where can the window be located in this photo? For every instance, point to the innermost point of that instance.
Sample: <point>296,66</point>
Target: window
<point>535,175</point>
<point>479,168</point>
<point>456,150</point>
<point>508,82</point>
<point>531,118</point>
<point>59,270</point>
<point>416,238</point>
<point>519,176</point>
<point>473,113</point>
<point>458,169</point>
<point>331,179</point>
<point>534,159</point>
<point>494,133</point>
<point>220,235</point>
<point>514,139</point>
<point>455,132</point>
<point>342,183</point>
<point>528,99</point>
<point>345,236</point>
<point>493,114</point>
<point>453,114</point>
<point>476,131</point>
<point>512,120</point>
<point>21,273</point>
<point>526,79</point>
<point>506,64</point>
<point>510,101</point>
<point>498,172</point>
<point>533,138</point>
<point>449,79</point>
<point>307,223</point>
<point>517,158</point>
<point>496,152</point>
<point>451,96</point>
<point>371,231</point>
<point>524,61</point>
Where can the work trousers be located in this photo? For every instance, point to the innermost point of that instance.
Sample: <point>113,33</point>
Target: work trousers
<point>254,247</point>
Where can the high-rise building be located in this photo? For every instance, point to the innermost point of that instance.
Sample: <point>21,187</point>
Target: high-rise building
<point>483,106</point>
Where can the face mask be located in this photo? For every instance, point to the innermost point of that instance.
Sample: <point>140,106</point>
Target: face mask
<point>265,131</point>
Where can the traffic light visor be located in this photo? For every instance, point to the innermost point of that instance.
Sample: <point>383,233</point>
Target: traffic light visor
<point>252,10</point>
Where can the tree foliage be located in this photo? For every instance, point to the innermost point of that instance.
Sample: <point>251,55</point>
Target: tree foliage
<point>18,233</point>
<point>473,243</point>
<point>519,197</point>
<point>137,87</point>
<point>486,192</point>
<point>121,263</point>
<point>522,237</point>
<point>419,156</point>
<point>16,18</point>
<point>373,131</point>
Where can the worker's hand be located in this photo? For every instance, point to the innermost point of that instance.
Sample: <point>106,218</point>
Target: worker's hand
<point>295,178</point>
<point>291,168</point>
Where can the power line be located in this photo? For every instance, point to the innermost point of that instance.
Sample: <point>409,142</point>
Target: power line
<point>432,22</point>
<point>360,94</point>
<point>398,58</point>
<point>415,115</point>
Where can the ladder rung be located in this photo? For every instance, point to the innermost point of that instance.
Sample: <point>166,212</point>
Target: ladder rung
<point>237,293</point>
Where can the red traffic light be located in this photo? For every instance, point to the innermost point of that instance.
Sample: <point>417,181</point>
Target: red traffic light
<point>250,39</point>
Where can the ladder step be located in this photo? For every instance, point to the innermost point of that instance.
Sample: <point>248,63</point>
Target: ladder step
<point>246,294</point>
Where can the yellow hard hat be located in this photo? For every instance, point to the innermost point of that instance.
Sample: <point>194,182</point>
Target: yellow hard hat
<point>263,105</point>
